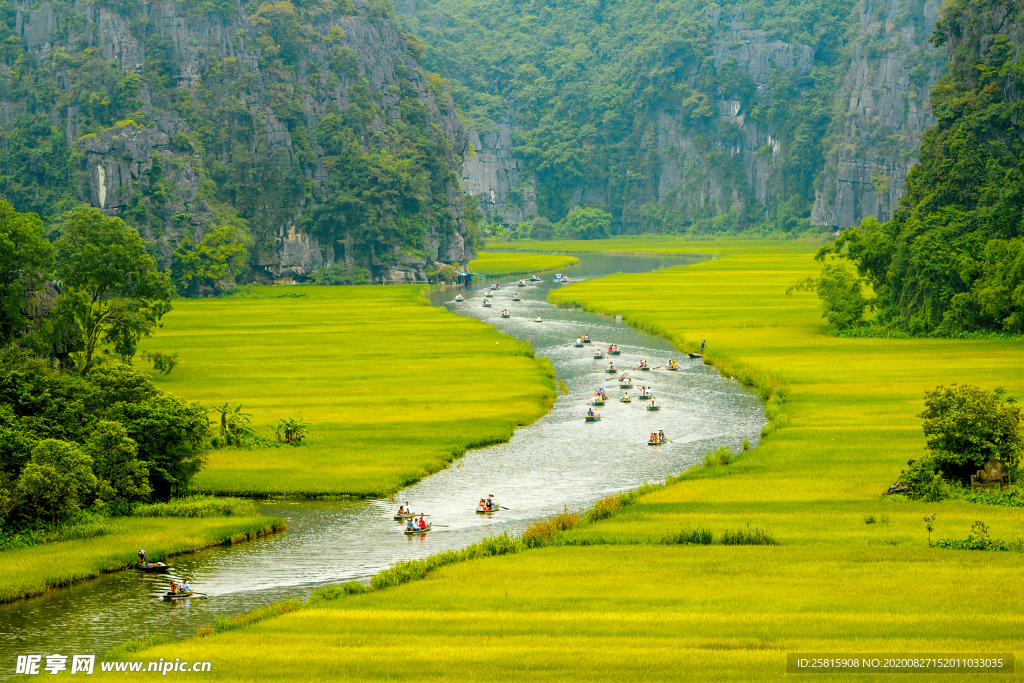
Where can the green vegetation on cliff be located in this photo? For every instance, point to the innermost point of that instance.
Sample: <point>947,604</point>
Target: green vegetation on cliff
<point>952,257</point>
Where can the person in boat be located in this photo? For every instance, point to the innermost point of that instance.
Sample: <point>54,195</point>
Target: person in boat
<point>184,586</point>
<point>482,504</point>
<point>654,437</point>
<point>142,557</point>
<point>652,402</point>
<point>661,435</point>
<point>409,526</point>
<point>590,412</point>
<point>422,523</point>
<point>174,588</point>
<point>490,501</point>
<point>626,396</point>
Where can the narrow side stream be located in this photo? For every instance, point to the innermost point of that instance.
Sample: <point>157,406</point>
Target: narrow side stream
<point>559,460</point>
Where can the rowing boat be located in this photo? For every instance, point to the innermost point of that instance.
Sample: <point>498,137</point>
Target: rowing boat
<point>593,418</point>
<point>402,518</point>
<point>598,355</point>
<point>611,371</point>
<point>459,297</point>
<point>645,368</point>
<point>653,407</point>
<point>657,442</point>
<point>179,594</point>
<point>625,399</point>
<point>484,511</point>
<point>487,304</point>
<point>614,353</point>
<point>696,355</point>
<point>626,385</point>
<point>599,402</point>
<point>535,279</point>
<point>673,368</point>
<point>578,345</point>
<point>418,531</point>
<point>152,567</point>
<point>506,315</point>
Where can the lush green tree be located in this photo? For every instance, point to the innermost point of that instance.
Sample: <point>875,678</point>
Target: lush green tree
<point>58,480</point>
<point>584,223</point>
<point>341,273</point>
<point>219,258</point>
<point>114,290</point>
<point>542,229</point>
<point>25,259</point>
<point>171,434</point>
<point>1000,289</point>
<point>116,463</point>
<point>966,426</point>
<point>841,294</point>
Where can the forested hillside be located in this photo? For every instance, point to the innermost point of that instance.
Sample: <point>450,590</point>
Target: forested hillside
<point>265,140</point>
<point>952,258</point>
<point>686,114</point>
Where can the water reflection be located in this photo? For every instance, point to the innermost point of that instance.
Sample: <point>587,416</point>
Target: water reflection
<point>559,460</point>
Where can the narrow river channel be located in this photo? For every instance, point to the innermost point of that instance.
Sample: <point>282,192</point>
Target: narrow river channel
<point>559,460</point>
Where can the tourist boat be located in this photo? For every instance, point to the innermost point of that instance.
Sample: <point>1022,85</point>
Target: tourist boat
<point>506,314</point>
<point>158,567</point>
<point>578,344</point>
<point>673,368</point>
<point>625,385</point>
<point>598,354</point>
<point>593,418</point>
<point>538,319</point>
<point>535,278</point>
<point>625,399</point>
<point>515,297</point>
<point>495,286</point>
<point>597,401</point>
<point>645,368</point>
<point>402,518</point>
<point>653,407</point>
<point>459,297</point>
<point>696,355</point>
<point>586,339</point>
<point>646,397</point>
<point>487,293</point>
<point>612,370</point>
<point>179,594</point>
<point>418,531</point>
<point>522,283</point>
<point>656,442</point>
<point>614,352</point>
<point>564,279</point>
<point>487,303</point>
<point>486,511</point>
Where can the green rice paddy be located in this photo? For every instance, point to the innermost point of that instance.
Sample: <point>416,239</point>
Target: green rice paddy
<point>853,571</point>
<point>34,570</point>
<point>493,263</point>
<point>391,389</point>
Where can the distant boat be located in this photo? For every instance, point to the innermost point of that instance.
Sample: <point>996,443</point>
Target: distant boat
<point>656,442</point>
<point>535,278</point>
<point>653,407</point>
<point>625,399</point>
<point>487,303</point>
<point>596,417</point>
<point>159,567</point>
<point>538,319</point>
<point>459,297</point>
<point>506,314</point>
<point>418,530</point>
<point>598,354</point>
<point>696,355</point>
<point>178,594</point>
<point>522,283</point>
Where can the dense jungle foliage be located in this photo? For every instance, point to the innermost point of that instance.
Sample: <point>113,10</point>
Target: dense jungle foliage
<point>951,260</point>
<point>243,159</point>
<point>586,79</point>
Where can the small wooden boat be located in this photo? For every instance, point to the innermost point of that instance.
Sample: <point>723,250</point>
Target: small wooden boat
<point>564,279</point>
<point>656,442</point>
<point>625,385</point>
<point>646,397</point>
<point>158,567</point>
<point>179,594</point>
<point>597,402</point>
<point>673,368</point>
<point>653,407</point>
<point>598,355</point>
<point>506,314</point>
<point>586,340</point>
<point>522,283</point>
<point>616,352</point>
<point>495,286</point>
<point>487,304</point>
<point>535,278</point>
<point>593,418</point>
<point>487,293</point>
<point>578,344</point>
<point>402,518</point>
<point>696,355</point>
<point>418,531</point>
<point>459,297</point>
<point>645,368</point>
<point>487,511</point>
<point>515,297</point>
<point>625,399</point>
<point>538,319</point>
<point>611,371</point>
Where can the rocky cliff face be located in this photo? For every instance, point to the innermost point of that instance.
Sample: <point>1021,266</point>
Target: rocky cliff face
<point>260,162</point>
<point>887,88</point>
<point>494,176</point>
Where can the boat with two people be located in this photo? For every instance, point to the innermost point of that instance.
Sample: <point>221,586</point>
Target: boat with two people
<point>535,278</point>
<point>564,279</point>
<point>176,591</point>
<point>538,319</point>
<point>613,350</point>
<point>646,393</point>
<point>625,381</point>
<point>611,369</point>
<point>495,286</point>
<point>459,298</point>
<point>652,406</point>
<point>522,283</point>
<point>591,416</point>
<point>598,354</point>
<point>505,313</point>
<point>487,303</point>
<point>644,366</point>
<point>404,512</point>
<point>515,297</point>
<point>585,338</point>
<point>672,365</point>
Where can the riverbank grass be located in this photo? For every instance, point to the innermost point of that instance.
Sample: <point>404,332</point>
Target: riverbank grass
<point>852,571</point>
<point>30,571</point>
<point>495,263</point>
<point>391,389</point>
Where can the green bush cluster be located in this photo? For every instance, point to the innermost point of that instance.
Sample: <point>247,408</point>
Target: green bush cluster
<point>701,536</point>
<point>197,506</point>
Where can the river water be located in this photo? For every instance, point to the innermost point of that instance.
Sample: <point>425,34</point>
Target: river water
<point>557,461</point>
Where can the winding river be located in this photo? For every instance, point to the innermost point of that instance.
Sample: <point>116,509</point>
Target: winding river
<point>559,460</point>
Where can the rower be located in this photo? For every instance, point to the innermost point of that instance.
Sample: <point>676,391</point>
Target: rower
<point>590,412</point>
<point>142,557</point>
<point>174,588</point>
<point>661,435</point>
<point>423,523</point>
<point>490,501</point>
<point>184,586</point>
<point>409,526</point>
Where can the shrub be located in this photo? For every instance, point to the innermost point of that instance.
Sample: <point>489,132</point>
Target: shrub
<point>720,456</point>
<point>748,536</point>
<point>604,508</point>
<point>541,531</point>
<point>198,506</point>
<point>689,537</point>
<point>978,539</point>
